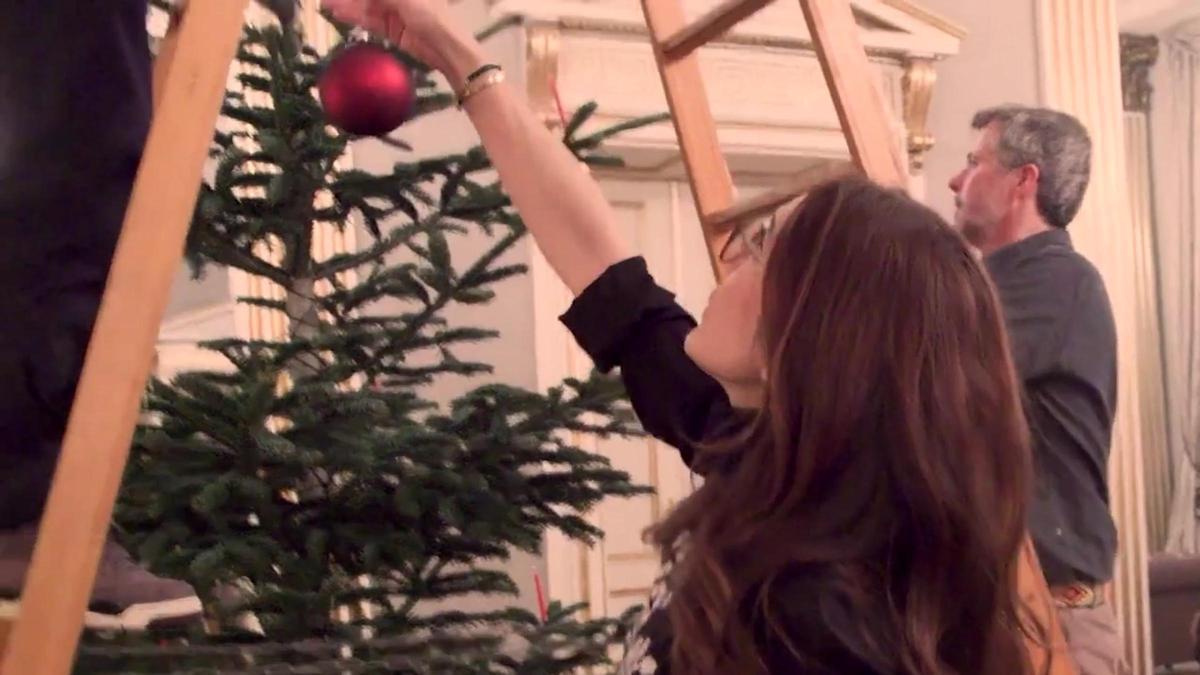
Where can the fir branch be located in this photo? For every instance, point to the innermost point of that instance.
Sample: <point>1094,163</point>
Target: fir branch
<point>394,142</point>
<point>240,257</point>
<point>597,138</point>
<point>497,26</point>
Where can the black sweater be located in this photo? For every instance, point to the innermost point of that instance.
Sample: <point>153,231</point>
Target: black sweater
<point>624,319</point>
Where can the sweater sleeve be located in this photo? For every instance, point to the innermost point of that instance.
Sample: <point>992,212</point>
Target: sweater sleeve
<point>625,320</point>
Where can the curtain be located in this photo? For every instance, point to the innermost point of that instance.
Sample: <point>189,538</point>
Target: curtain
<point>1156,455</point>
<point>1175,124</point>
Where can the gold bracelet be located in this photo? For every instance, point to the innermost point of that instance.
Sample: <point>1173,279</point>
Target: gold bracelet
<point>478,84</point>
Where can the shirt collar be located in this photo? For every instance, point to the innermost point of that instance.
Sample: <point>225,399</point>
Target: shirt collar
<point>1007,256</point>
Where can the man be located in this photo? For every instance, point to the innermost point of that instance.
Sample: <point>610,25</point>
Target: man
<point>1023,184</point>
<point>74,113</point>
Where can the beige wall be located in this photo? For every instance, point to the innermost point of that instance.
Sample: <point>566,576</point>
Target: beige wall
<point>997,64</point>
<point>187,293</point>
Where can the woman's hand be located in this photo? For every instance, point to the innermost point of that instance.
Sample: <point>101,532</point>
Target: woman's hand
<point>423,28</point>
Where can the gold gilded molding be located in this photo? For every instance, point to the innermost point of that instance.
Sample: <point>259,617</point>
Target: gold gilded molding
<point>918,81</point>
<point>541,71</point>
<point>1138,55</point>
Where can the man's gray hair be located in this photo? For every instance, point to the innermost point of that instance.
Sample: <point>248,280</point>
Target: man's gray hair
<point>1056,143</point>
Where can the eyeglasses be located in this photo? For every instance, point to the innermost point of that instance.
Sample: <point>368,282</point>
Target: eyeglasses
<point>748,238</point>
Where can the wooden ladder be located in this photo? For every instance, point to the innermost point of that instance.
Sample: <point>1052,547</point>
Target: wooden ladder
<point>189,81</point>
<point>873,151</point>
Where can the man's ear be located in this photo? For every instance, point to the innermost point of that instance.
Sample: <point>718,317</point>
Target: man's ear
<point>1027,180</point>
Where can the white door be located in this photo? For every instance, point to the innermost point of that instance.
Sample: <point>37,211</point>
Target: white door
<point>621,568</point>
<point>658,218</point>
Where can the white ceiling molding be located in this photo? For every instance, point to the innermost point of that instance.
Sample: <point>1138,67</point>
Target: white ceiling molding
<point>1188,31</point>
<point>1155,16</point>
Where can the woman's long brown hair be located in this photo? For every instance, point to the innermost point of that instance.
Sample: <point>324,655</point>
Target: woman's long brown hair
<point>886,476</point>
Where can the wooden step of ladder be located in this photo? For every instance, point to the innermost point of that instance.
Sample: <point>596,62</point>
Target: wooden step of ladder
<point>190,78</point>
<point>873,150</point>
<point>783,193</point>
<point>707,28</point>
<point>847,73</point>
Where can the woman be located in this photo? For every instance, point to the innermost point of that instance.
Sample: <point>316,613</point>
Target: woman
<point>864,506</point>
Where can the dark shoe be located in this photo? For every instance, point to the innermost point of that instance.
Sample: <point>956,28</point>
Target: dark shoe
<point>124,597</point>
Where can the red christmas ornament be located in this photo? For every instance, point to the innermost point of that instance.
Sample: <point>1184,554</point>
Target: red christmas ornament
<point>366,90</point>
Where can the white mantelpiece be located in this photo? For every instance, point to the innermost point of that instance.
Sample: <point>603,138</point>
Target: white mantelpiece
<point>764,82</point>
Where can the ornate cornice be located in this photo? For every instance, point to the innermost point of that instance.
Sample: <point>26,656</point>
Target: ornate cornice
<point>926,16</point>
<point>615,27</point>
<point>1138,55</point>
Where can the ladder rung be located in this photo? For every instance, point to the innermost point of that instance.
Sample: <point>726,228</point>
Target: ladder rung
<point>707,28</point>
<point>766,202</point>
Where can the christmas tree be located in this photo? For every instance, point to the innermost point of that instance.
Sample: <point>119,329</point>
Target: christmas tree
<point>329,513</point>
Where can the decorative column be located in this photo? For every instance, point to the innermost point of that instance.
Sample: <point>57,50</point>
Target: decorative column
<point>261,323</point>
<point>1081,75</point>
<point>1138,55</point>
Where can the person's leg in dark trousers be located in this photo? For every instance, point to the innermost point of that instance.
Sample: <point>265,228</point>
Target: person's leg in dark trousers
<point>75,106</point>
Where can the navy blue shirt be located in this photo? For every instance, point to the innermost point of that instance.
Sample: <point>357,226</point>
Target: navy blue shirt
<point>1064,343</point>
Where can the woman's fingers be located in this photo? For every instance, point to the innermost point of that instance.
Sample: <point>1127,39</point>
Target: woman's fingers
<point>342,9</point>
<point>382,19</point>
<point>350,11</point>
<point>377,16</point>
<point>358,12</point>
<point>419,27</point>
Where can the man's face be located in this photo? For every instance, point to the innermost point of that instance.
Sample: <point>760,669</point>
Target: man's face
<point>984,192</point>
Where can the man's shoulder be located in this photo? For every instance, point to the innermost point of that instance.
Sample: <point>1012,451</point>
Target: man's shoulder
<point>1076,293</point>
<point>1065,272</point>
<point>1057,253</point>
<point>1052,295</point>
<point>1088,282</point>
